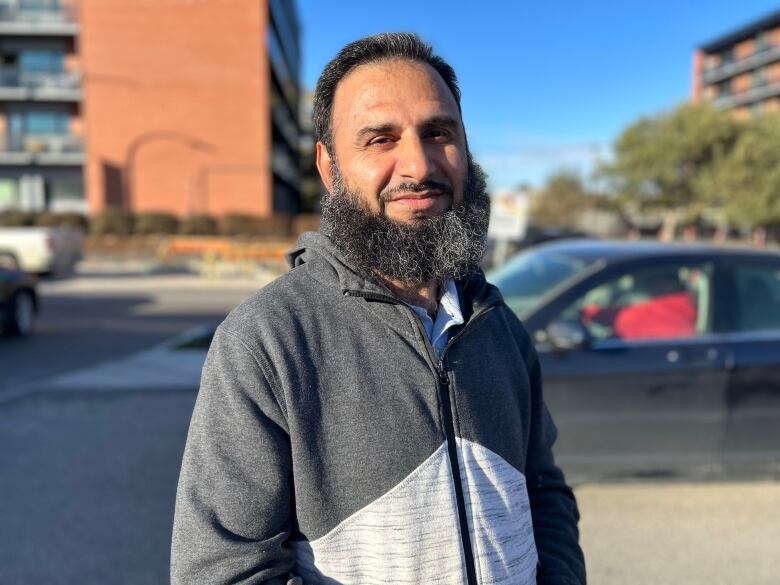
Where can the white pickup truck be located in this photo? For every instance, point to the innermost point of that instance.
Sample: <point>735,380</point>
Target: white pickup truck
<point>42,250</point>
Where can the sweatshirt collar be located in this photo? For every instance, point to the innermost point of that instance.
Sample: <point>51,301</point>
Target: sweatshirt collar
<point>329,266</point>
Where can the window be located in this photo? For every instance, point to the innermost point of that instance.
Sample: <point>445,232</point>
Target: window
<point>66,188</point>
<point>762,41</point>
<point>724,88</point>
<point>41,61</point>
<point>8,193</point>
<point>758,293</point>
<point>647,303</point>
<point>528,277</point>
<point>759,77</point>
<point>39,122</point>
<point>39,5</point>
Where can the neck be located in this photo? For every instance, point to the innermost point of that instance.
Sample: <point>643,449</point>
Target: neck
<point>425,295</point>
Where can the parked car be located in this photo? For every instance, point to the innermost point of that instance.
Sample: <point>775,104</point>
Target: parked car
<point>18,298</point>
<point>658,360</point>
<point>43,250</point>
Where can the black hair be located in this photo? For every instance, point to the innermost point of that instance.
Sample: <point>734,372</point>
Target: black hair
<point>381,47</point>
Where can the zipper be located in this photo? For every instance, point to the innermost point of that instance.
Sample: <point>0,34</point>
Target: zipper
<point>468,326</point>
<point>449,431</point>
<point>443,386</point>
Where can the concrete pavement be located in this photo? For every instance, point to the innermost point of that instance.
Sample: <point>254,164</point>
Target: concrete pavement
<point>89,476</point>
<point>681,534</point>
<point>89,461</point>
<point>110,310</point>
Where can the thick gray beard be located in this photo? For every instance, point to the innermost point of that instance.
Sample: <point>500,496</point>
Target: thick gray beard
<point>450,245</point>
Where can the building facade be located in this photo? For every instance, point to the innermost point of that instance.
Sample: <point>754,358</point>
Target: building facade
<point>41,116</point>
<point>180,106</point>
<point>740,70</point>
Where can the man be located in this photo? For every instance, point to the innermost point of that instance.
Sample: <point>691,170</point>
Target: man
<point>375,415</point>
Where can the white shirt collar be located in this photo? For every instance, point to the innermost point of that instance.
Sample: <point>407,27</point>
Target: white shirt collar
<point>448,315</point>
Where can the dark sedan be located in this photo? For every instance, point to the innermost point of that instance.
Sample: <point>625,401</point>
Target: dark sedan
<point>18,301</point>
<point>658,360</point>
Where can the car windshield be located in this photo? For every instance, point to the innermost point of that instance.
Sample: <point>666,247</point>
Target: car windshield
<point>526,278</point>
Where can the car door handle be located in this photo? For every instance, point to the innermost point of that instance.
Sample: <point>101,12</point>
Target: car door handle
<point>700,356</point>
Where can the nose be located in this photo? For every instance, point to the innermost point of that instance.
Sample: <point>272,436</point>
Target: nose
<point>414,161</point>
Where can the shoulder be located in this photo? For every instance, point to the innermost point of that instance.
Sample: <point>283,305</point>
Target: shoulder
<point>479,294</point>
<point>279,309</point>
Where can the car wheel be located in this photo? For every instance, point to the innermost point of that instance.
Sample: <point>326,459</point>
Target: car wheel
<point>21,314</point>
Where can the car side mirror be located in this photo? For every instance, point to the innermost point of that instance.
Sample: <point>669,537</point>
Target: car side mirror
<point>567,335</point>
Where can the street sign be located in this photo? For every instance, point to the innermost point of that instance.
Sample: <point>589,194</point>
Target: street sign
<point>508,216</point>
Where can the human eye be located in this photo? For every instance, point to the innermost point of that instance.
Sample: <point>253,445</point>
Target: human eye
<point>381,140</point>
<point>439,134</point>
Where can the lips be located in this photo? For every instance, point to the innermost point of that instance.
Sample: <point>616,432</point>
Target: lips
<point>416,196</point>
<point>424,201</point>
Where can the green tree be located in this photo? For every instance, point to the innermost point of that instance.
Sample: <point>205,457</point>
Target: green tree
<point>660,162</point>
<point>561,201</point>
<point>745,181</point>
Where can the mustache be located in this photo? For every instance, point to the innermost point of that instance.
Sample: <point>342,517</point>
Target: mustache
<point>420,187</point>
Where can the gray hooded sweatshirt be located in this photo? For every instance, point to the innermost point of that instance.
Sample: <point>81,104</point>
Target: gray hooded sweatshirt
<point>329,444</point>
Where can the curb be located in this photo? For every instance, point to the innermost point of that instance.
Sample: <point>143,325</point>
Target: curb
<point>160,368</point>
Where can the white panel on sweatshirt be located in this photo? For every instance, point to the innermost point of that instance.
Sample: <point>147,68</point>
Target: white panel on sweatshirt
<point>499,517</point>
<point>410,535</point>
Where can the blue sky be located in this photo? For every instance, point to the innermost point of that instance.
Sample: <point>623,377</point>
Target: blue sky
<point>545,84</point>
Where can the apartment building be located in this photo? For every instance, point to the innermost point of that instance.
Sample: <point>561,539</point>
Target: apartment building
<point>41,118</point>
<point>179,106</point>
<point>740,70</point>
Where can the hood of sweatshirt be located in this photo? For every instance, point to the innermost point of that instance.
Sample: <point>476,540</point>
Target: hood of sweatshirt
<point>328,265</point>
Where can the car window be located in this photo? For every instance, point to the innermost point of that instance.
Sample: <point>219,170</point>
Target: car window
<point>525,279</point>
<point>647,303</point>
<point>758,294</point>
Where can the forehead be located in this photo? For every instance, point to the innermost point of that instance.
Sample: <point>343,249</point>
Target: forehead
<point>391,91</point>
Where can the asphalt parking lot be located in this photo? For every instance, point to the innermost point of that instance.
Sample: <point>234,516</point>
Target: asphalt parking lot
<point>682,534</point>
<point>88,469</point>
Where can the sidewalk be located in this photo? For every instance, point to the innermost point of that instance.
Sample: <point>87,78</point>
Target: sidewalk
<point>681,534</point>
<point>162,368</point>
<point>90,462</point>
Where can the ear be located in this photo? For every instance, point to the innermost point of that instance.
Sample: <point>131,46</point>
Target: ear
<point>325,165</point>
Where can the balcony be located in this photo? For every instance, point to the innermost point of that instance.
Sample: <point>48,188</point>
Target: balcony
<point>41,149</point>
<point>19,85</point>
<point>732,68</point>
<point>285,124</point>
<point>751,96</point>
<point>51,21</point>
<point>283,166</point>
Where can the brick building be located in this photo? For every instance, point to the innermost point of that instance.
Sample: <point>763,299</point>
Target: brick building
<point>180,106</point>
<point>740,70</point>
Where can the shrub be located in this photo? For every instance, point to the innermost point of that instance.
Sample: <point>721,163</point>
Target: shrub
<point>155,223</point>
<point>198,225</point>
<point>275,226</point>
<point>72,220</point>
<point>17,218</point>
<point>306,222</point>
<point>238,224</point>
<point>112,221</point>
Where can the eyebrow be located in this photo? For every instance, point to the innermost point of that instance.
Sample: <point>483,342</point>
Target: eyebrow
<point>372,130</point>
<point>444,120</point>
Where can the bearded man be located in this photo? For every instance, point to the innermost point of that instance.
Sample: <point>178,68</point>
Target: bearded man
<point>375,415</point>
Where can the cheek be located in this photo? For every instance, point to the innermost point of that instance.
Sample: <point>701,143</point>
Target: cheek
<point>370,175</point>
<point>457,168</point>
<point>455,160</point>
